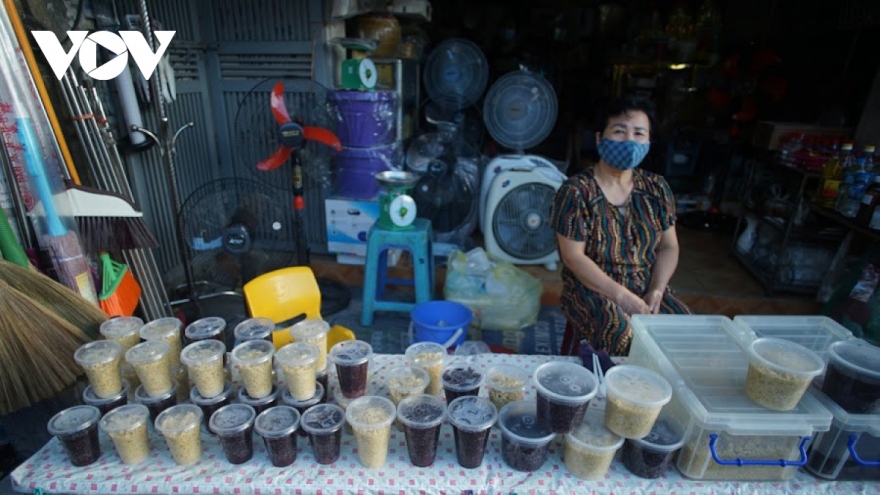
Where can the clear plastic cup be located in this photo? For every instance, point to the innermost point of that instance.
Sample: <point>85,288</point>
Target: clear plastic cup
<point>430,356</point>
<point>460,380</point>
<point>167,329</point>
<point>212,327</point>
<point>370,418</point>
<point>260,404</point>
<point>130,375</point>
<point>564,393</point>
<point>180,427</point>
<point>421,416</point>
<point>323,424</point>
<point>343,402</point>
<point>156,404</point>
<point>101,360</point>
<point>204,360</point>
<point>323,377</point>
<point>297,361</point>
<point>108,404</point>
<point>506,383</point>
<point>649,457</point>
<point>634,398</point>
<point>853,377</point>
<point>590,448</point>
<point>209,405</point>
<point>124,330</point>
<point>181,377</point>
<point>303,405</point>
<point>234,425</point>
<point>472,419</point>
<point>77,429</point>
<point>254,329</point>
<point>254,361</point>
<point>406,381</point>
<point>127,428</point>
<point>313,331</point>
<point>525,442</point>
<point>780,372</point>
<point>278,428</point>
<point>149,360</point>
<point>352,360</point>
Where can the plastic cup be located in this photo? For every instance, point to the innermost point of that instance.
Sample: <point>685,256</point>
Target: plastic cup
<point>260,404</point>
<point>149,360</point>
<point>460,380</point>
<point>634,398</point>
<point>77,429</point>
<point>124,330</point>
<point>564,393</point>
<point>234,425</point>
<point>212,327</point>
<point>179,425</point>
<point>209,405</point>
<point>204,360</point>
<point>429,356</point>
<point>853,376</point>
<point>181,376</point>
<point>303,405</point>
<point>406,381</point>
<point>297,362</point>
<point>127,428</point>
<point>323,424</point>
<point>780,372</point>
<point>343,402</point>
<point>506,383</point>
<point>590,448</point>
<point>649,457</point>
<point>421,416</point>
<point>352,359</point>
<point>159,403</point>
<point>101,360</point>
<point>525,442</point>
<point>254,329</point>
<point>108,404</point>
<point>278,428</point>
<point>313,331</point>
<point>370,418</point>
<point>254,361</point>
<point>167,329</point>
<point>323,377</point>
<point>472,419</point>
<point>130,375</point>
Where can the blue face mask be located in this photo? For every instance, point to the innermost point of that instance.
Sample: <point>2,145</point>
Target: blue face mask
<point>622,155</point>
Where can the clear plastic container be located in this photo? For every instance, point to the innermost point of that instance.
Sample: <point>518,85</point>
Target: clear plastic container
<point>323,377</point>
<point>352,360</point>
<point>209,405</point>
<point>343,402</point>
<point>130,375</point>
<point>254,329</point>
<point>780,372</point>
<point>370,418</point>
<point>506,383</point>
<point>430,356</point>
<point>169,330</point>
<point>260,404</point>
<point>212,327</point>
<point>184,385</point>
<point>254,361</point>
<point>108,404</point>
<point>303,405</point>
<point>471,419</point>
<point>853,376</point>
<point>158,403</point>
<point>101,360</point>
<point>150,362</point>
<point>421,416</point>
<point>564,393</point>
<point>525,442</point>
<point>460,380</point>
<point>234,425</point>
<point>323,424</point>
<point>77,429</point>
<point>278,428</point>
<point>124,330</point>
<point>204,360</point>
<point>816,333</point>
<point>313,331</point>
<point>406,381</point>
<point>297,361</point>
<point>634,399</point>
<point>831,456</point>
<point>590,447</point>
<point>127,428</point>
<point>649,457</point>
<point>179,425</point>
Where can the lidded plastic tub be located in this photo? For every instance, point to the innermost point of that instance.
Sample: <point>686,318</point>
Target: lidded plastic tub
<point>816,333</point>
<point>853,376</point>
<point>850,450</point>
<point>705,361</point>
<point>634,399</point>
<point>780,372</point>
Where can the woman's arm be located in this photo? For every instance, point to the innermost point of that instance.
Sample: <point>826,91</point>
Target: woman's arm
<point>665,263</point>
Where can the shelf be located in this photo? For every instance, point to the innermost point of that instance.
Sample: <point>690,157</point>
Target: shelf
<point>767,281</point>
<point>846,222</point>
<point>798,232</point>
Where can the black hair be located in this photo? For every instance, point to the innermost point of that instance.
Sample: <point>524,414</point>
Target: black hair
<point>625,104</point>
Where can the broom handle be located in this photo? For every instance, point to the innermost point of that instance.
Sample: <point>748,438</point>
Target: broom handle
<point>10,249</point>
<point>38,172</point>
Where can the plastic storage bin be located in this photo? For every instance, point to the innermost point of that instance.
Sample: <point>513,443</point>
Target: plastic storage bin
<point>830,454</point>
<point>705,362</point>
<point>816,333</point>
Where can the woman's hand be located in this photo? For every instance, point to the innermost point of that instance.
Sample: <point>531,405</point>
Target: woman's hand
<point>631,303</point>
<point>653,299</point>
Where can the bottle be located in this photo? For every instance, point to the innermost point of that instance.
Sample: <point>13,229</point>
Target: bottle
<point>856,188</point>
<point>847,161</point>
<point>869,210</point>
<point>869,158</point>
<point>832,176</point>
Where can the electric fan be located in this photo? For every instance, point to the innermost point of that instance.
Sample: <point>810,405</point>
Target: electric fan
<point>518,189</point>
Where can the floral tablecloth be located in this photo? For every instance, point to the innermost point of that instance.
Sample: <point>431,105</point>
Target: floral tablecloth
<point>49,470</point>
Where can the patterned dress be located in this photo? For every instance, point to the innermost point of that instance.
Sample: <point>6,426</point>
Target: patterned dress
<point>622,241</point>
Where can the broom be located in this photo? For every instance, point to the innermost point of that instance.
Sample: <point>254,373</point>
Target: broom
<point>120,292</point>
<point>108,221</point>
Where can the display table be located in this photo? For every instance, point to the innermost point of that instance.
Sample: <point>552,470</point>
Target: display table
<point>50,471</point>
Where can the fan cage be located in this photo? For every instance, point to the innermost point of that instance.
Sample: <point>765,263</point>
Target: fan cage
<point>520,222</point>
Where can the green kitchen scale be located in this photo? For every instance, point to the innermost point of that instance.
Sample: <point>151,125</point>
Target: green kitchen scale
<point>358,71</point>
<point>397,209</point>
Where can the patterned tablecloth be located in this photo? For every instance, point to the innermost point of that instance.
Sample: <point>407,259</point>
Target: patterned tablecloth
<point>50,471</point>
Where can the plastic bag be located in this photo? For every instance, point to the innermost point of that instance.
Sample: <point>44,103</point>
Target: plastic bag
<point>502,296</point>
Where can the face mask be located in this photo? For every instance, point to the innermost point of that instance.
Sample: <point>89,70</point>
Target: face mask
<point>622,155</point>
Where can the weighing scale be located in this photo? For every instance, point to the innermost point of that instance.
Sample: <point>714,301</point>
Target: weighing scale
<point>357,72</point>
<point>397,209</point>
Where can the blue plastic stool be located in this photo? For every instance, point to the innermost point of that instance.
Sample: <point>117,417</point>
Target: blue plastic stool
<point>418,242</point>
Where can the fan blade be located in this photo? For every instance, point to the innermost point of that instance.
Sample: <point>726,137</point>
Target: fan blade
<point>276,160</point>
<point>322,135</point>
<point>279,109</point>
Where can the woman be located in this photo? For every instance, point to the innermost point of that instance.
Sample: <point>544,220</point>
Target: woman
<point>615,228</point>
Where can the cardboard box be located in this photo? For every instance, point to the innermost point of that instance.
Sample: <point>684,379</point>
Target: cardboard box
<point>769,134</point>
<point>348,224</point>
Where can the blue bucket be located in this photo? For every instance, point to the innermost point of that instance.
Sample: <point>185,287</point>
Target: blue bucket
<point>443,322</point>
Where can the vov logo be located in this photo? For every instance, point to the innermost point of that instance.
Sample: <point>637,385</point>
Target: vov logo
<point>86,45</point>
